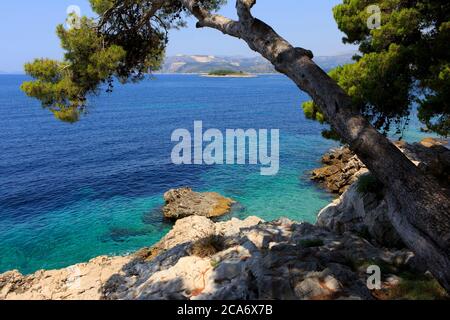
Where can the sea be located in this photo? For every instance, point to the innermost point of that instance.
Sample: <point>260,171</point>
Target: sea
<point>71,192</point>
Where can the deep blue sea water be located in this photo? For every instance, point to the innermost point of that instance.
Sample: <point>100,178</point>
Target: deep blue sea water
<point>69,193</point>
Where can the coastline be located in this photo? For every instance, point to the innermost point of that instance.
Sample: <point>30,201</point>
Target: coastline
<point>227,255</point>
<point>235,260</point>
<point>131,198</point>
<point>202,73</point>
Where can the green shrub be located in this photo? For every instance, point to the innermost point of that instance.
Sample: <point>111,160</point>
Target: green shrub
<point>368,183</point>
<point>418,287</point>
<point>224,72</point>
<point>208,246</point>
<point>311,243</point>
<point>412,285</point>
<point>362,265</point>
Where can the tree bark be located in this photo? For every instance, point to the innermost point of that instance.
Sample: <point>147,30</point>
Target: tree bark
<point>418,207</point>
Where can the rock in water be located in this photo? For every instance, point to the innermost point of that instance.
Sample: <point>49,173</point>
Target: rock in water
<point>341,169</point>
<point>183,202</point>
<point>365,211</point>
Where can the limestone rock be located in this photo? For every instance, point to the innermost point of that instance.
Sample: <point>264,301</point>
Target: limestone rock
<point>83,281</point>
<point>183,202</point>
<point>364,214</point>
<point>187,230</point>
<point>432,142</point>
<point>341,169</point>
<point>233,226</point>
<point>432,156</point>
<point>264,260</point>
<point>281,259</point>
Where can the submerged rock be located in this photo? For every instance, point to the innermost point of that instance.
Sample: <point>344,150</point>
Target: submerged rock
<point>183,202</point>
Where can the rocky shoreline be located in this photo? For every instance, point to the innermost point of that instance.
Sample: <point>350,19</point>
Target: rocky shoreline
<point>249,259</point>
<point>253,259</point>
<point>342,168</point>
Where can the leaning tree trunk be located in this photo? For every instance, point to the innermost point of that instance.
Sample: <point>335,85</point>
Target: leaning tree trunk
<point>418,208</point>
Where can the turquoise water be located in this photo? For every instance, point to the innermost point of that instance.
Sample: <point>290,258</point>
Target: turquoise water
<point>69,193</point>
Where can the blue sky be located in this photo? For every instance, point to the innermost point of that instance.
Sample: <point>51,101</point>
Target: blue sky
<point>27,29</point>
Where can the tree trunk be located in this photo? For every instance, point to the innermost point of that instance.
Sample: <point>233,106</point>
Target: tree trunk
<point>418,207</point>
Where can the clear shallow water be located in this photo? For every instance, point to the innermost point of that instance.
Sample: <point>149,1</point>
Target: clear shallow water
<point>69,193</point>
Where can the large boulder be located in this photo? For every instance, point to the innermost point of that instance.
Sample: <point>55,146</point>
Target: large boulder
<point>183,202</point>
<point>361,212</point>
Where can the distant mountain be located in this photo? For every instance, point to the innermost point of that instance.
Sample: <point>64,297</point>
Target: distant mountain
<point>204,64</point>
<point>330,62</point>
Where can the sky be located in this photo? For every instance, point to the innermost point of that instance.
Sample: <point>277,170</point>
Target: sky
<point>27,30</point>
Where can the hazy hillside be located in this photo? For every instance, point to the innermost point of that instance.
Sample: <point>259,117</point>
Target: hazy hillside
<point>204,64</point>
<point>200,63</point>
<point>330,62</point>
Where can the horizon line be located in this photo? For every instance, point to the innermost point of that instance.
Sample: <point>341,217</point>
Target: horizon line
<point>21,72</point>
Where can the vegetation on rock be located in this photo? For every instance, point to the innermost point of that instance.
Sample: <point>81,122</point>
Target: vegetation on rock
<point>208,246</point>
<point>225,72</point>
<point>369,184</point>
